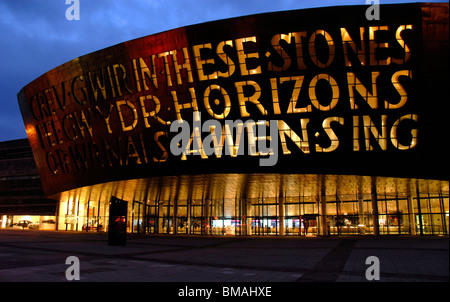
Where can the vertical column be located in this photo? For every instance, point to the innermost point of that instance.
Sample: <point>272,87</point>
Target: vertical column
<point>360,209</point>
<point>58,213</point>
<point>322,206</point>
<point>144,216</point>
<point>412,220</point>
<point>78,212</point>
<point>87,216</point>
<point>249,214</point>
<point>376,226</point>
<point>243,218</point>
<point>205,222</point>
<point>67,214</point>
<point>188,215</point>
<point>281,215</point>
<point>160,205</point>
<point>132,216</point>
<point>174,217</point>
<point>442,210</point>
<point>419,209</point>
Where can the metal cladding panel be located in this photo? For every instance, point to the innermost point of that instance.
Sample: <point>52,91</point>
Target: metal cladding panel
<point>334,92</point>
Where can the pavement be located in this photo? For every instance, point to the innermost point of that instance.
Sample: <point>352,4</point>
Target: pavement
<point>40,256</point>
<point>219,267</point>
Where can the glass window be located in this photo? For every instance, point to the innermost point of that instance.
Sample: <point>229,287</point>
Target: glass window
<point>292,210</point>
<point>381,207</point>
<point>403,206</point>
<point>391,206</point>
<point>331,208</point>
<point>310,208</point>
<point>424,205</point>
<point>435,205</point>
<point>348,208</point>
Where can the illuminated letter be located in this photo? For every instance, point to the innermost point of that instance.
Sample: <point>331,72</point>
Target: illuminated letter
<point>132,152</point>
<point>348,42</point>
<point>154,113</point>
<point>275,98</point>
<point>334,94</point>
<point>118,83</point>
<point>374,46</point>
<point>282,53</point>
<point>145,73</point>
<point>82,122</point>
<point>402,43</point>
<point>166,66</point>
<point>165,155</point>
<point>106,116</point>
<point>333,138</point>
<point>312,48</point>
<point>200,62</point>
<point>52,164</point>
<point>226,59</point>
<point>186,65</point>
<point>355,84</point>
<point>252,99</point>
<point>74,91</point>
<point>394,138</point>
<point>299,49</point>
<point>100,86</point>
<point>295,95</point>
<point>401,91</point>
<point>227,105</point>
<point>72,126</point>
<point>285,130</point>
<point>369,127</point>
<point>178,106</point>
<point>242,56</point>
<point>130,105</point>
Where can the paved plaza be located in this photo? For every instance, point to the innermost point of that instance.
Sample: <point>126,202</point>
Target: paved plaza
<point>40,256</point>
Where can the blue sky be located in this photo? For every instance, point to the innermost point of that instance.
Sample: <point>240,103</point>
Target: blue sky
<point>36,36</point>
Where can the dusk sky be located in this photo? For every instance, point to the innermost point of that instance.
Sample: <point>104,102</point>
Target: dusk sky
<point>36,36</point>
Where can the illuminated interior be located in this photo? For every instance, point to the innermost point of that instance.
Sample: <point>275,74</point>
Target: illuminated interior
<point>264,204</point>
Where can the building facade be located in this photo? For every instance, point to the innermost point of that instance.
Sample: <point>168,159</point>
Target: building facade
<point>308,122</point>
<point>22,200</point>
